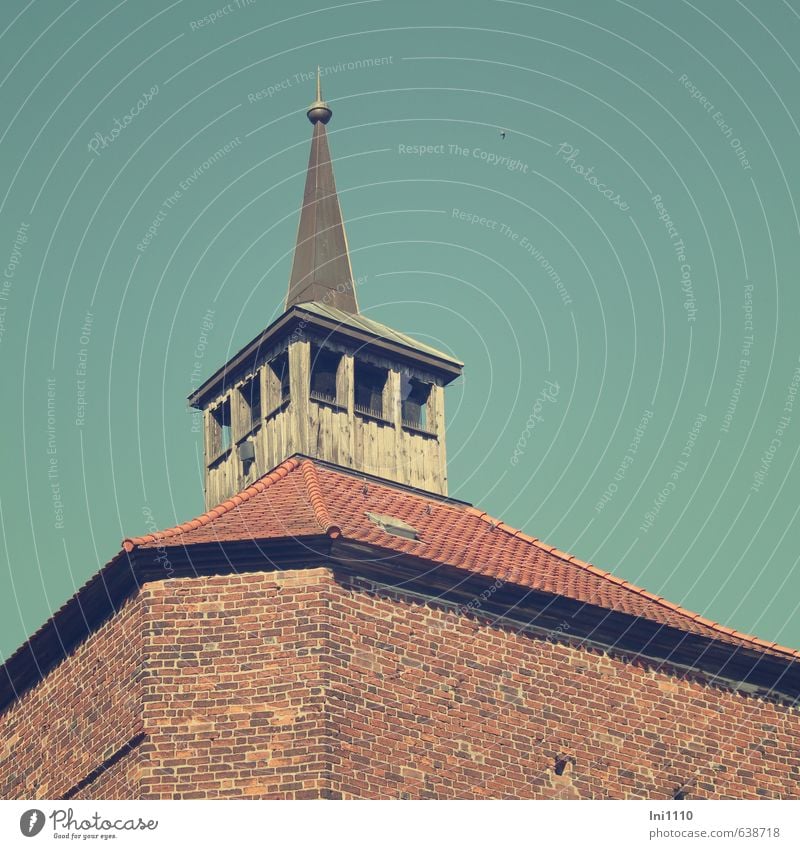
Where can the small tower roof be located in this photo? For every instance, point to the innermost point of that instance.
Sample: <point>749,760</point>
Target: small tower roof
<point>321,268</point>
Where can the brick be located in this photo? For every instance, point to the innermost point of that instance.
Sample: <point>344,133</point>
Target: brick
<point>325,690</point>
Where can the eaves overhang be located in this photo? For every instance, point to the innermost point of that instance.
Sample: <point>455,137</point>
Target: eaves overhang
<point>299,319</point>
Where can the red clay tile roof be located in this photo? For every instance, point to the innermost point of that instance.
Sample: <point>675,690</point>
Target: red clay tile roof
<point>304,498</point>
<point>294,507</point>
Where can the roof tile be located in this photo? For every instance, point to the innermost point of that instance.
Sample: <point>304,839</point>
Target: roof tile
<point>286,504</point>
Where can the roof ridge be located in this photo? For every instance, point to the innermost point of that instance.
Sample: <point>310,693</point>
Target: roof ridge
<point>321,513</point>
<point>365,322</point>
<point>332,528</point>
<point>277,474</point>
<point>660,600</point>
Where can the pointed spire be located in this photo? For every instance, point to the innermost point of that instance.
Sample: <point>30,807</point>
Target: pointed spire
<point>321,268</point>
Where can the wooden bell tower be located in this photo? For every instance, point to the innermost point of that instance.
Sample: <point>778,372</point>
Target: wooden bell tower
<point>324,380</point>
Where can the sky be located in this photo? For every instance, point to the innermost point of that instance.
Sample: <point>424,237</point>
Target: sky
<point>592,204</point>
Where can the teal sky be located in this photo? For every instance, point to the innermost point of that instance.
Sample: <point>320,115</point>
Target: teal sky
<point>619,272</point>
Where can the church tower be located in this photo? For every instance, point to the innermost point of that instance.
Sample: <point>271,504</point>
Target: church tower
<point>323,380</point>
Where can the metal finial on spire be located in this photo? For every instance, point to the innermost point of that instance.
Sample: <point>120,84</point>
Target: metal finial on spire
<point>319,109</point>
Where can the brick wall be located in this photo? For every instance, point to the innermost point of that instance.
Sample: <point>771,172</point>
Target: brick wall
<point>297,684</point>
<point>235,692</point>
<point>430,704</point>
<point>119,780</point>
<point>83,714</point>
